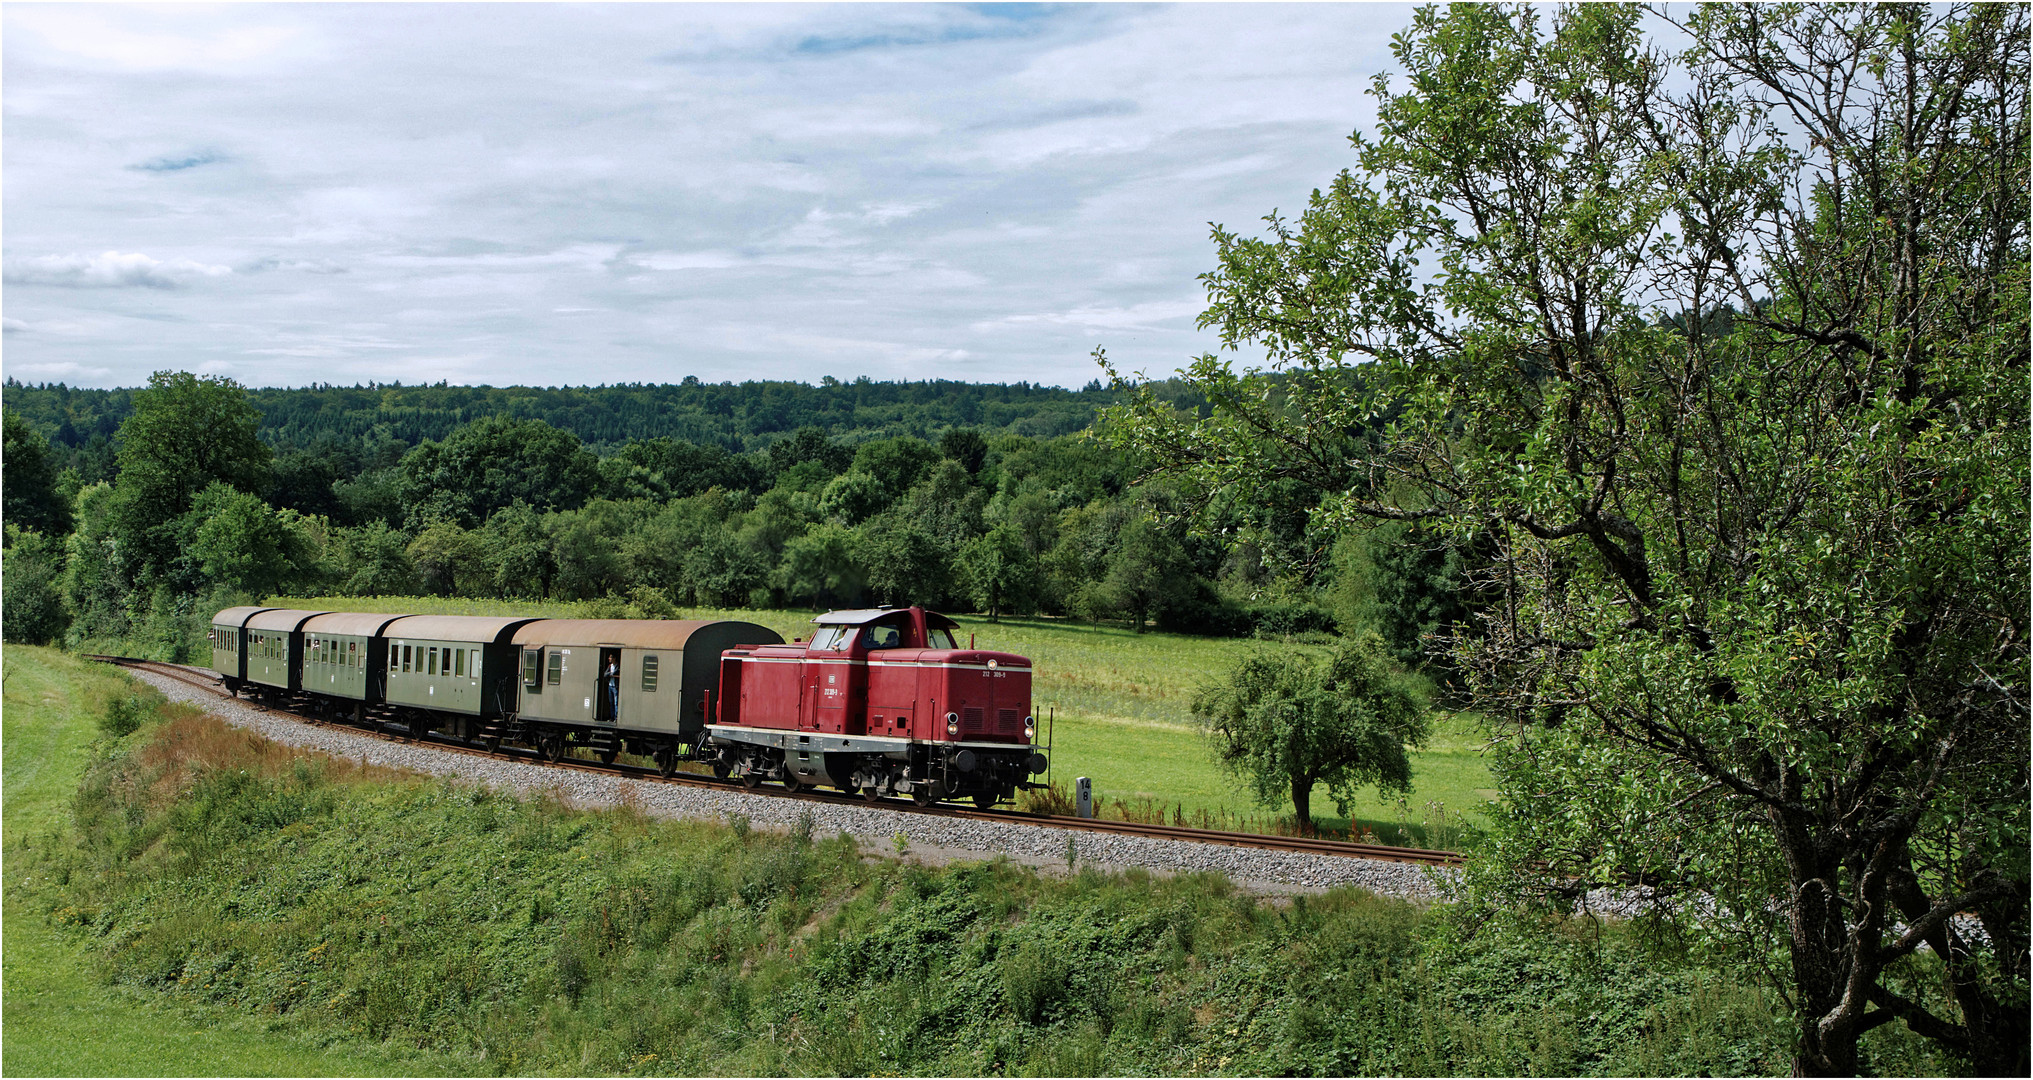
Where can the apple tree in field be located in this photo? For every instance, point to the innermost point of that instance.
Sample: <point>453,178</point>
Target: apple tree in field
<point>1716,332</point>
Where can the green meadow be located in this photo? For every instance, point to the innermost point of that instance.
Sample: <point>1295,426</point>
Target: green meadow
<point>62,1017</point>
<point>1118,708</point>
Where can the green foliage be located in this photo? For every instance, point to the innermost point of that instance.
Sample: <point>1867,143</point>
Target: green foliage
<point>236,540</point>
<point>487,465</point>
<point>29,491</point>
<point>522,937</point>
<point>32,580</point>
<point>1281,723</point>
<point>186,433</point>
<point>1734,387</point>
<point>1001,573</point>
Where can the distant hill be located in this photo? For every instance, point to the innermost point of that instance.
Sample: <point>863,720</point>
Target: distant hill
<point>741,417</point>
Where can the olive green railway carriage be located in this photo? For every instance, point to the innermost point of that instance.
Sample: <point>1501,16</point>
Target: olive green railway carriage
<point>229,643</point>
<point>275,646</point>
<point>665,670</point>
<point>346,658</point>
<point>458,664</point>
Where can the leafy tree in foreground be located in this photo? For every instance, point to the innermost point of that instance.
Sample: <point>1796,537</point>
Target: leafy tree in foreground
<point>1731,365</point>
<point>1283,723</point>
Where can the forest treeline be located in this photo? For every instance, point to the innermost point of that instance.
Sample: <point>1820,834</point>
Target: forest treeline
<point>204,493</point>
<point>80,424</point>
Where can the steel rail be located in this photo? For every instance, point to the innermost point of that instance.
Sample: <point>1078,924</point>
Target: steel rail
<point>205,679</point>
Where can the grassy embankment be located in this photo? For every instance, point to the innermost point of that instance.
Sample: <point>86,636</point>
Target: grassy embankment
<point>1122,703</point>
<point>62,1019</point>
<point>518,936</point>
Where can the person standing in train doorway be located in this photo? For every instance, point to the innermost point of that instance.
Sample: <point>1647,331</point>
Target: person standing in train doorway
<point>611,679</point>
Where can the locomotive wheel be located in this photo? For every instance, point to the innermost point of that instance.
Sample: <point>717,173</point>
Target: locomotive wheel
<point>751,780</point>
<point>721,770</point>
<point>921,794</point>
<point>871,793</point>
<point>792,783</point>
<point>985,800</point>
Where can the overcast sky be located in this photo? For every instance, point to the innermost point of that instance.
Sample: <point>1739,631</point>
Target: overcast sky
<point>583,194</point>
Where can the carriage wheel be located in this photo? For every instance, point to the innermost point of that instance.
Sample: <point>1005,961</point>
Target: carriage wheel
<point>551,746</point>
<point>608,754</point>
<point>921,794</point>
<point>985,801</point>
<point>667,762</point>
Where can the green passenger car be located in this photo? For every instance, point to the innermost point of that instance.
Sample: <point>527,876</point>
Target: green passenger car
<point>229,644</point>
<point>275,643</point>
<point>346,657</point>
<point>451,663</point>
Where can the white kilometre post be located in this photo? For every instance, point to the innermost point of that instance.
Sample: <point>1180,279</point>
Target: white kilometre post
<point>1083,797</point>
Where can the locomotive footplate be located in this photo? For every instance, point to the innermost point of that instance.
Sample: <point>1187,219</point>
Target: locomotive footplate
<point>875,764</point>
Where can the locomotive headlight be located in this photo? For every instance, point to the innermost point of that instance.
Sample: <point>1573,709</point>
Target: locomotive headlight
<point>952,723</point>
<point>1030,727</point>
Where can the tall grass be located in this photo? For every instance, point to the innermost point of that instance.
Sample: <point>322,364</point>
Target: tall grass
<point>522,936</point>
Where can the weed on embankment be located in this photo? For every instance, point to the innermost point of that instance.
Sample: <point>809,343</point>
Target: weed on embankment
<point>519,936</point>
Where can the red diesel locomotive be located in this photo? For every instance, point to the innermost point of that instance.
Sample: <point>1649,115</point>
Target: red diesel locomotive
<point>882,702</point>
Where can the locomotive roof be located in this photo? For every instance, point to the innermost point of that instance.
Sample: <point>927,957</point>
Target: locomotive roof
<point>237,616</point>
<point>859,616</point>
<point>481,628</point>
<point>363,624</point>
<point>281,619</point>
<point>632,633</point>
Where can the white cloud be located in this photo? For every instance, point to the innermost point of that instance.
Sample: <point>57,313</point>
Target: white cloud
<point>729,189</point>
<point>58,372</point>
<point>143,40</point>
<point>1146,316</point>
<point>109,270</point>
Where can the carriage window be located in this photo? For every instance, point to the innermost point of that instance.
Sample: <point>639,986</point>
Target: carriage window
<point>649,674</point>
<point>405,657</point>
<point>532,664</point>
<point>353,654</point>
<point>459,661</point>
<point>394,657</point>
<point>433,661</point>
<point>557,670</point>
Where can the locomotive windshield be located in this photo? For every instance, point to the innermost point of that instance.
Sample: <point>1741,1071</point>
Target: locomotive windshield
<point>940,639</point>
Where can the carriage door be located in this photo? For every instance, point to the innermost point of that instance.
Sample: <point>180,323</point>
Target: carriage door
<point>607,704</point>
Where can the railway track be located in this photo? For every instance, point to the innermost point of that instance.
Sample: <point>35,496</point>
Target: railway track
<point>204,679</point>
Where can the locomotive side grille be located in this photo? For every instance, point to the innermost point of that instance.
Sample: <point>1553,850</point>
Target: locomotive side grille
<point>971,719</point>
<point>1007,722</point>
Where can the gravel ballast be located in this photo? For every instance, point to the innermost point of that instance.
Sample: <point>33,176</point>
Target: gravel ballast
<point>927,838</point>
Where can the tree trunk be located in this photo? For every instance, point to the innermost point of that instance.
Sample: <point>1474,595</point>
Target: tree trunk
<point>1302,802</point>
